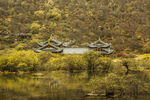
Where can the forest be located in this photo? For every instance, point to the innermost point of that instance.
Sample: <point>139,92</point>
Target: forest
<point>27,75</point>
<point>123,23</point>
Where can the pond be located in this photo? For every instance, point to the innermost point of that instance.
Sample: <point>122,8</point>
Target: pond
<point>54,85</point>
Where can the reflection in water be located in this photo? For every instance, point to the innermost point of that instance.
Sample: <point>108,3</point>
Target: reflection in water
<point>55,85</point>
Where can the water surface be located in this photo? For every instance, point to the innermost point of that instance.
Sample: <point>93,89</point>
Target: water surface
<point>54,85</point>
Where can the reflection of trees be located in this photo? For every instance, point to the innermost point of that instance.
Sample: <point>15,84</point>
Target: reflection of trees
<point>90,74</point>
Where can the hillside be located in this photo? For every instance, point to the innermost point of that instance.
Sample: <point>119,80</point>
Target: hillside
<point>124,23</point>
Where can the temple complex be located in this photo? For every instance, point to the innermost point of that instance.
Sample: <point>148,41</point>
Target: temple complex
<point>56,46</point>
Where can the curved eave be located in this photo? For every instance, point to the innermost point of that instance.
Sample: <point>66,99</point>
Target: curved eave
<point>96,46</point>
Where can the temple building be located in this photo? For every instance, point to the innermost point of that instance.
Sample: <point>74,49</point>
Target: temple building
<point>101,47</point>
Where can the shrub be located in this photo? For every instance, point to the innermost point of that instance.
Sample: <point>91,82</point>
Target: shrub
<point>39,14</point>
<point>146,57</point>
<point>22,46</point>
<point>35,28</point>
<point>91,58</point>
<point>19,61</point>
<point>55,63</point>
<point>145,61</point>
<point>33,43</point>
<point>45,56</point>
<point>96,61</point>
<point>126,62</point>
<point>67,62</point>
<point>75,62</point>
<point>54,14</point>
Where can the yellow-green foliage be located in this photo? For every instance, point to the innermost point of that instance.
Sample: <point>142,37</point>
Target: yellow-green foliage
<point>81,20</point>
<point>39,14</point>
<point>89,61</point>
<point>95,60</point>
<point>126,62</point>
<point>67,62</point>
<point>145,61</point>
<point>45,56</point>
<point>21,46</point>
<point>121,85</point>
<point>91,58</point>
<point>28,60</point>
<point>19,61</point>
<point>54,14</point>
<point>35,28</point>
<point>75,62</point>
<point>55,63</point>
<point>146,57</point>
<point>130,63</point>
<point>33,43</point>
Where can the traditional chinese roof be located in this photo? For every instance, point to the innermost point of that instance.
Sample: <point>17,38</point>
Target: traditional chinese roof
<point>99,44</point>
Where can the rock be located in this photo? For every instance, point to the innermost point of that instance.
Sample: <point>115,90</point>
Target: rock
<point>38,74</point>
<point>92,94</point>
